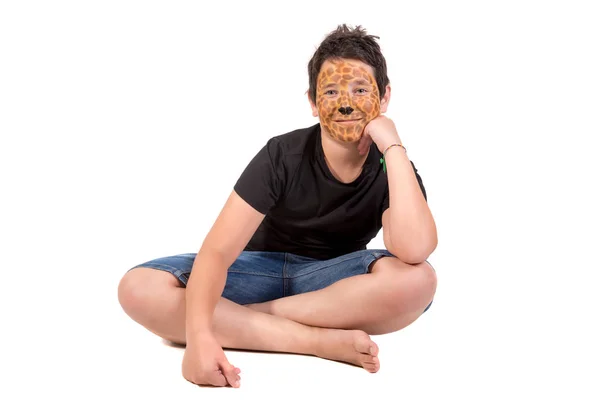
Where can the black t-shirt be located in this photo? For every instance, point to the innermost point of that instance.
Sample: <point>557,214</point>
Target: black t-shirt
<point>309,212</point>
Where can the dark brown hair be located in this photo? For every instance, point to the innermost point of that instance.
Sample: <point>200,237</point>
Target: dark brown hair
<point>345,42</point>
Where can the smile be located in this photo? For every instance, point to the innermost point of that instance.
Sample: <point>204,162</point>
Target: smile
<point>347,121</point>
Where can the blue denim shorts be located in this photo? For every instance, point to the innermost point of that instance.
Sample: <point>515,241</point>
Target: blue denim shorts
<point>259,276</point>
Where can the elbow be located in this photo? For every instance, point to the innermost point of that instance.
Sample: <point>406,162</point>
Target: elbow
<point>412,258</point>
<point>414,253</point>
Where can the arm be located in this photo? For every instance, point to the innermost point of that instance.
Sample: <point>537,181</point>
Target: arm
<point>409,231</point>
<point>230,233</point>
<point>255,193</point>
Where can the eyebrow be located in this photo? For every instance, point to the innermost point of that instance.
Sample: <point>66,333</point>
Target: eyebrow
<point>359,82</point>
<point>362,82</point>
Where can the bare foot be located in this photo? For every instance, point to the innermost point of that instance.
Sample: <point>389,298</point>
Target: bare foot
<point>355,347</point>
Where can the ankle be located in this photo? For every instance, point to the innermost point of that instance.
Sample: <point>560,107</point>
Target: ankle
<point>320,342</point>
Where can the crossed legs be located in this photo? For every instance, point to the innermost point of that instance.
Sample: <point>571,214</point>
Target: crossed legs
<point>388,299</point>
<point>331,323</point>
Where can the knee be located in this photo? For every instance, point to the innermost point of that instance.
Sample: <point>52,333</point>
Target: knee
<point>418,290</point>
<point>135,291</point>
<point>427,282</point>
<point>411,287</point>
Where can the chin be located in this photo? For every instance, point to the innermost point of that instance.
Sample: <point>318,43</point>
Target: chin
<point>354,138</point>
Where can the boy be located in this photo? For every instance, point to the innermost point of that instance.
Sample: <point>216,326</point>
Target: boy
<point>285,266</point>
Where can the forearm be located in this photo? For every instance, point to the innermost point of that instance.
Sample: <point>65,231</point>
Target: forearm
<point>204,289</point>
<point>412,229</point>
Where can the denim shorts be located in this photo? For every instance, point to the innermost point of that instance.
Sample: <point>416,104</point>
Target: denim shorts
<point>259,276</point>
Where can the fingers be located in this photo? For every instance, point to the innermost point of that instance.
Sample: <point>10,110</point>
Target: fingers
<point>216,378</point>
<point>231,373</point>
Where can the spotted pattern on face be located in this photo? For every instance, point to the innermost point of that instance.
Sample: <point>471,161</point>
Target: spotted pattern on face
<point>343,83</point>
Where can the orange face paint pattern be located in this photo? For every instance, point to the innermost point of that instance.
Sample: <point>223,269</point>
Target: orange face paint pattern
<point>346,84</point>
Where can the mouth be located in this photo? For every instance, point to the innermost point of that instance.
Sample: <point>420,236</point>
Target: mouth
<point>347,121</point>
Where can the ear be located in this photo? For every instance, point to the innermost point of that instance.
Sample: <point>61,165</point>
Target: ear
<point>386,99</point>
<point>315,112</point>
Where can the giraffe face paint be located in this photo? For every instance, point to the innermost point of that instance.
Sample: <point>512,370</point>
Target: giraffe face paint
<point>347,98</point>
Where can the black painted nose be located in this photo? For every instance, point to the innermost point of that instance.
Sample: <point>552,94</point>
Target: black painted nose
<point>346,110</point>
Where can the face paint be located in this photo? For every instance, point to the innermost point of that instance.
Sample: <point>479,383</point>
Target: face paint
<point>347,99</point>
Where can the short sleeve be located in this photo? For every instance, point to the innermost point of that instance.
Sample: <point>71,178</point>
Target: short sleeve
<point>261,183</point>
<point>386,200</point>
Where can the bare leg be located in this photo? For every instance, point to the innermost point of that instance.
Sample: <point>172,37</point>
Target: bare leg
<point>389,298</point>
<point>155,300</point>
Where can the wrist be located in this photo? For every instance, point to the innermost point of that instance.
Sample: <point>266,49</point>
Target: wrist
<point>388,141</point>
<point>198,333</point>
<point>199,338</point>
<point>389,149</point>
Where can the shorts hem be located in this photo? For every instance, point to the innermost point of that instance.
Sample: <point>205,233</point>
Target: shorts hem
<point>177,273</point>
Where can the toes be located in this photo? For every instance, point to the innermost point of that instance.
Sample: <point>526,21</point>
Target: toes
<point>367,359</point>
<point>372,368</point>
<point>369,362</point>
<point>365,345</point>
<point>374,349</point>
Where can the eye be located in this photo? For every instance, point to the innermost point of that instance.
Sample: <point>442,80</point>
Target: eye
<point>330,92</point>
<point>361,91</point>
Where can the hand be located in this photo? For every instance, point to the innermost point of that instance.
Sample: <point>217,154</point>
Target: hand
<point>380,130</point>
<point>204,363</point>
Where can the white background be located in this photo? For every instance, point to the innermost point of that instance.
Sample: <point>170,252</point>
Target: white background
<point>125,124</point>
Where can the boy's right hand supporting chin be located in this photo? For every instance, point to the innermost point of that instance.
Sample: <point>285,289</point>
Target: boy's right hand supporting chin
<point>204,363</point>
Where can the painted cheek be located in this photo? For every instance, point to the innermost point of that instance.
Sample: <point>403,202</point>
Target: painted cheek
<point>325,108</point>
<point>375,112</point>
<point>320,106</point>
